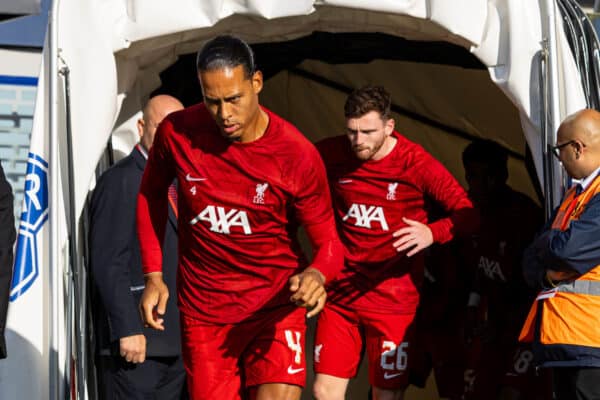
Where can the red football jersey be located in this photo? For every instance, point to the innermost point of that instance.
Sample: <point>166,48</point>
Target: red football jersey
<point>239,208</point>
<point>370,198</point>
<point>493,257</point>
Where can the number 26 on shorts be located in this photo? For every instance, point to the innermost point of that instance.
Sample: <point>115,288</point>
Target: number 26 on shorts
<point>394,357</point>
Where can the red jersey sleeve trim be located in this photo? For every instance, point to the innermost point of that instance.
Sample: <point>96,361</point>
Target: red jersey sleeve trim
<point>152,202</point>
<point>149,234</point>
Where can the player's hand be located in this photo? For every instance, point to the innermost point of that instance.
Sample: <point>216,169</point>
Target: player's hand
<point>555,276</point>
<point>416,237</point>
<point>153,304</point>
<point>308,290</point>
<point>133,348</point>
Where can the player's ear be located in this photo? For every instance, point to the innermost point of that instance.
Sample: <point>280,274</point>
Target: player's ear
<point>140,127</point>
<point>390,124</point>
<point>257,82</point>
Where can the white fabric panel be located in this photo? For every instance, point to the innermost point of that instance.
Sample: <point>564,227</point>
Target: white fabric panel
<point>85,33</point>
<point>115,48</point>
<point>415,8</point>
<point>150,18</point>
<point>465,18</point>
<point>569,84</point>
<point>150,34</point>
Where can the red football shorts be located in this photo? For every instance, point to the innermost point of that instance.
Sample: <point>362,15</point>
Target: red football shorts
<point>339,345</point>
<point>221,361</point>
<point>522,376</point>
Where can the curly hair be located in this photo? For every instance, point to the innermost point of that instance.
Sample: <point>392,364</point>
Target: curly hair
<point>367,99</point>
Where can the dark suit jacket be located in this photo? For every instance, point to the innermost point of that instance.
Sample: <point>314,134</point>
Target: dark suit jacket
<point>116,263</point>
<point>7,238</point>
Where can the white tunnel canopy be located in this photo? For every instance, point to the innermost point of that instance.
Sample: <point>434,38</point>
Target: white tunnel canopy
<point>456,69</point>
<point>442,94</point>
<point>116,50</point>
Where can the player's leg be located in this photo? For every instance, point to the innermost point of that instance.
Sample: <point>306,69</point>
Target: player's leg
<point>329,387</point>
<point>275,391</point>
<point>388,339</point>
<point>521,380</point>
<point>385,394</point>
<point>338,345</point>
<point>421,364</point>
<point>449,360</point>
<point>489,371</point>
<point>274,363</point>
<point>210,355</point>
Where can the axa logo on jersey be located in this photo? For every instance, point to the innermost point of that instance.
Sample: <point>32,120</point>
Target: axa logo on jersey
<point>223,220</point>
<point>365,215</point>
<point>491,268</point>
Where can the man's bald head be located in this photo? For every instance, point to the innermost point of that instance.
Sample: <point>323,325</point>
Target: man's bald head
<point>584,124</point>
<point>579,141</point>
<point>155,110</point>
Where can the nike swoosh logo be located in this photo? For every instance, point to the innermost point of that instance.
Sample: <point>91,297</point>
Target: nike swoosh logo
<point>343,181</point>
<point>293,371</point>
<point>192,179</point>
<point>390,376</point>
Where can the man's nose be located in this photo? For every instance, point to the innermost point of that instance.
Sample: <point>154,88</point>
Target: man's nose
<point>359,138</point>
<point>225,111</point>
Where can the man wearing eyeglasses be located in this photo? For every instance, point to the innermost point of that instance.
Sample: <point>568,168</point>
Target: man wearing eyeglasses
<point>564,262</point>
<point>557,149</point>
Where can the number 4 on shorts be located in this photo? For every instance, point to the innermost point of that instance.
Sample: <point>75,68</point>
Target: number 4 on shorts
<point>294,343</point>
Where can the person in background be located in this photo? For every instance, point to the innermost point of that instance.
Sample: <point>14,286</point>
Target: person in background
<point>7,239</point>
<point>564,262</point>
<point>246,180</point>
<point>134,362</point>
<point>439,345</point>
<point>498,367</point>
<point>380,182</point>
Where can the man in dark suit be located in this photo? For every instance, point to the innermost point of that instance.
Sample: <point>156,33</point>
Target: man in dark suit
<point>134,362</point>
<point>7,238</point>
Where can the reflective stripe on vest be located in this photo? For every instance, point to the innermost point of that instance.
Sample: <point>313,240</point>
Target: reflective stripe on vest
<point>591,288</point>
<point>570,311</point>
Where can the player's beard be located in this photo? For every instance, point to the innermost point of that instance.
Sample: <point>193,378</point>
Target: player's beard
<point>363,155</point>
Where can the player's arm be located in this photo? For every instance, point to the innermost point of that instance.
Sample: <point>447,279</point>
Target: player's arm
<point>314,211</point>
<point>152,212</point>
<point>445,190</point>
<point>534,271</point>
<point>308,287</point>
<point>437,183</point>
<point>112,241</point>
<point>573,252</point>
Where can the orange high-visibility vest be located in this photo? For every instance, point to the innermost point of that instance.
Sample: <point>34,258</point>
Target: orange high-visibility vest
<point>570,312</point>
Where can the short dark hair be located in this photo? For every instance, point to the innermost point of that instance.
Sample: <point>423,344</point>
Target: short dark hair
<point>226,51</point>
<point>489,153</point>
<point>367,99</point>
